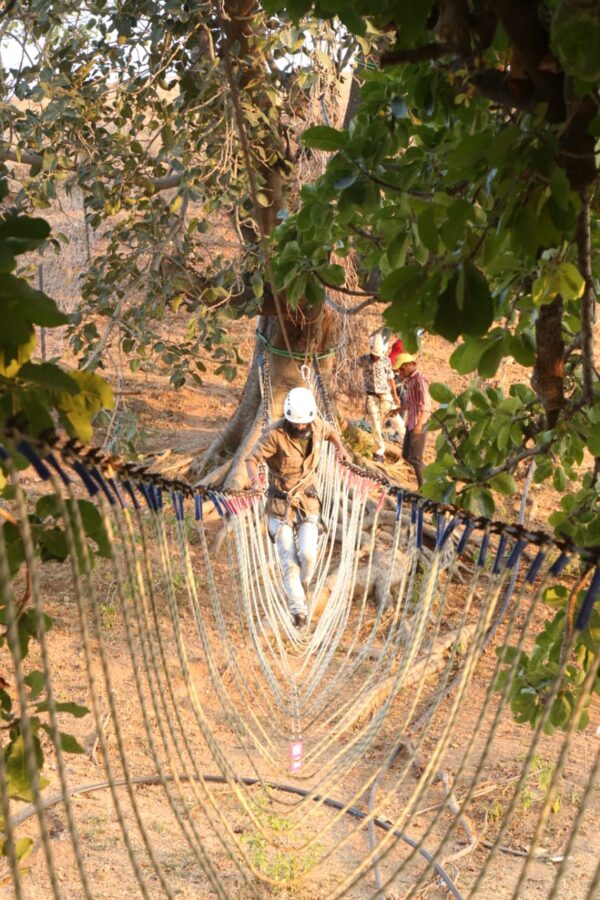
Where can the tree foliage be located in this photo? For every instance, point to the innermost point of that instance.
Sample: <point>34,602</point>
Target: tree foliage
<point>130,104</point>
<point>35,397</point>
<point>465,187</point>
<point>466,190</point>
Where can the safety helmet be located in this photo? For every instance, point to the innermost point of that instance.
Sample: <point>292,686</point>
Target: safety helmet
<point>377,345</point>
<point>300,406</point>
<point>403,358</point>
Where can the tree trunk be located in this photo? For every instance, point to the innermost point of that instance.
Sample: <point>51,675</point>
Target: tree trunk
<point>549,369</point>
<point>306,330</point>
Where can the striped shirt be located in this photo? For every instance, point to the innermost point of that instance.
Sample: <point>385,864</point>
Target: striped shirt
<point>417,399</point>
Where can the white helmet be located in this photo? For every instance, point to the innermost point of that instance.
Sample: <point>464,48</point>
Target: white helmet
<point>300,406</point>
<point>377,344</point>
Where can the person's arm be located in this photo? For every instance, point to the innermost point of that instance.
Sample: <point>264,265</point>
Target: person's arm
<point>259,454</point>
<point>392,385</point>
<point>334,438</point>
<point>420,398</point>
<point>391,381</point>
<point>252,467</point>
<point>403,405</point>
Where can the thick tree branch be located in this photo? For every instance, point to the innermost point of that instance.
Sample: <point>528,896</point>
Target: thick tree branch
<point>522,23</point>
<point>500,88</point>
<point>345,290</point>
<point>511,462</point>
<point>417,54</point>
<point>166,182</point>
<point>26,157</point>
<point>29,158</point>
<point>351,310</point>
<point>588,299</point>
<point>549,368</point>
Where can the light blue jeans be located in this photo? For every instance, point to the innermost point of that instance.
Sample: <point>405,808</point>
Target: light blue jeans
<point>297,550</point>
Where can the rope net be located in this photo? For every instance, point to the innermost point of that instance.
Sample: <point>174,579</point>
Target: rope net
<point>374,753</point>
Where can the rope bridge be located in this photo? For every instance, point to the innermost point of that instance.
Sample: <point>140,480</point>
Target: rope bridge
<point>229,754</point>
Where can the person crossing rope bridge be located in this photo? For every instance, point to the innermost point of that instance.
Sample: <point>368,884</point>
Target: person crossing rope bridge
<point>291,448</point>
<point>382,399</point>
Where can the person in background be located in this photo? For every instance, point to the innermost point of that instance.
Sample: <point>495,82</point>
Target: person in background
<point>291,448</point>
<point>381,394</point>
<point>396,348</point>
<point>418,407</point>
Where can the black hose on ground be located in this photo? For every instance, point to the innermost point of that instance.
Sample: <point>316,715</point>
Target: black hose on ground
<point>31,810</point>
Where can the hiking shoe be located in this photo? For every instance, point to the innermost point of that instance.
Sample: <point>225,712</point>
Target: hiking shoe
<point>378,457</point>
<point>299,620</point>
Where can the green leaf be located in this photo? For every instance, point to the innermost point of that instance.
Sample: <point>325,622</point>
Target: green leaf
<point>556,595</point>
<point>322,137</point>
<point>72,709</point>
<point>23,847</point>
<point>36,681</point>
<point>333,273</point>
<point>14,547</point>
<point>457,216</point>
<point>593,441</point>
<point>48,376</point>
<point>559,479</point>
<point>295,291</point>
<point>447,320</point>
<point>396,251</point>
<point>560,712</point>
<point>504,483</point>
<point>401,285</point>
<point>490,359</point>
<point>53,544</point>
<point>503,436</point>
<point>28,628</point>
<point>441,393</point>
<point>16,771</point>
<point>93,525</point>
<point>27,304</point>
<point>575,39</point>
<point>478,306</point>
<point>485,501</point>
<point>345,181</point>
<point>31,231</point>
<point>466,357</point>
<point>427,230</point>
<point>521,351</point>
<point>399,108</point>
<point>79,410</point>
<point>560,188</point>
<point>466,159</point>
<point>68,744</point>
<point>564,280</point>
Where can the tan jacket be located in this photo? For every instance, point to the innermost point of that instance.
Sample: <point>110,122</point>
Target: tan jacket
<point>290,470</point>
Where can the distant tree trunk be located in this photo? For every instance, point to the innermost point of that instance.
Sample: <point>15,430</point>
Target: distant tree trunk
<point>307,330</point>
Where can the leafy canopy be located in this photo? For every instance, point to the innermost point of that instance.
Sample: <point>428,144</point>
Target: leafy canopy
<point>465,213</point>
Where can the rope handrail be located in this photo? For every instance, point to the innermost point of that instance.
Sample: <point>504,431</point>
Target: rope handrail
<point>36,450</point>
<point>279,351</point>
